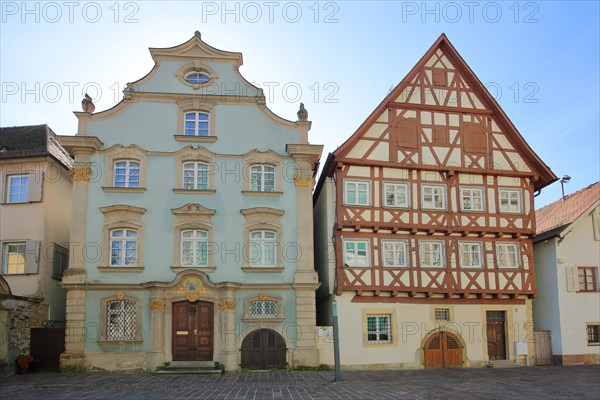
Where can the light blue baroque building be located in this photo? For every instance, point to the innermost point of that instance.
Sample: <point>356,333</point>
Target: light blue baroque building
<point>191,223</point>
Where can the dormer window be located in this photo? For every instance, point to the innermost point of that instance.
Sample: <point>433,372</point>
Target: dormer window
<point>197,78</point>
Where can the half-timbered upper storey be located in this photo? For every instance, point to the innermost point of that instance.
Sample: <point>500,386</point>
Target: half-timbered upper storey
<point>435,189</point>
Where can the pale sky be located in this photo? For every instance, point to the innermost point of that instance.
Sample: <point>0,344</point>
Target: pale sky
<point>539,59</point>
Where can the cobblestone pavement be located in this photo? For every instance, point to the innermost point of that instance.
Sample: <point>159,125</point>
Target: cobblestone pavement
<point>575,382</point>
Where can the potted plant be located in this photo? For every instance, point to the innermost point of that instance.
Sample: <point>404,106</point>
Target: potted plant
<point>23,363</point>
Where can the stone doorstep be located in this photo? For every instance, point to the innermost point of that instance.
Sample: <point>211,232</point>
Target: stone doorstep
<point>503,364</point>
<point>189,368</point>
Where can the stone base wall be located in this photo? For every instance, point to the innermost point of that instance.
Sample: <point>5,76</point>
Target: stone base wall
<point>577,359</point>
<point>116,361</point>
<point>21,315</point>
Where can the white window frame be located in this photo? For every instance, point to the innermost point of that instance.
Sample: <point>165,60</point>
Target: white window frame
<point>258,178</point>
<point>434,188</point>
<point>470,196</point>
<point>19,266</point>
<point>262,245</point>
<point>471,246</point>
<point>199,175</point>
<point>378,332</point>
<point>395,186</point>
<point>130,166</point>
<point>398,247</point>
<point>423,244</point>
<point>504,250</point>
<point>367,190</point>
<point>21,185</point>
<point>123,240</point>
<point>507,209</point>
<point>198,245</point>
<point>366,257</point>
<point>196,121</point>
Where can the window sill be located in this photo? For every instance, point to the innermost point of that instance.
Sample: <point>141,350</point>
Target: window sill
<point>195,139</point>
<point>262,269</point>
<point>267,320</point>
<point>396,207</point>
<point>356,267</point>
<point>112,189</point>
<point>194,191</point>
<point>356,205</point>
<point>434,209</point>
<point>205,269</point>
<point>510,212</point>
<point>593,344</point>
<point>120,269</point>
<point>118,342</point>
<point>18,273</point>
<point>252,193</point>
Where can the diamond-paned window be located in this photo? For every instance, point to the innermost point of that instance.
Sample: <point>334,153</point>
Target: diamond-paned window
<point>121,320</point>
<point>264,309</point>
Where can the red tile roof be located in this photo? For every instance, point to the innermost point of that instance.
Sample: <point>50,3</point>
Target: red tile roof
<point>561,213</point>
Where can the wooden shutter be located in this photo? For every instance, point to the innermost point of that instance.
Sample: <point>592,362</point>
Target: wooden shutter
<point>59,261</point>
<point>32,256</point>
<point>440,77</point>
<point>406,133</point>
<point>36,179</point>
<point>440,135</point>
<point>572,279</point>
<point>474,139</point>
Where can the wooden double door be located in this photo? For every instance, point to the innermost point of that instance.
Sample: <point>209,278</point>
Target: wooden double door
<point>443,350</point>
<point>496,335</point>
<point>193,331</point>
<point>263,349</point>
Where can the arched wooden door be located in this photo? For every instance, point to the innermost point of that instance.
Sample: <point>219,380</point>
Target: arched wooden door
<point>443,350</point>
<point>263,349</point>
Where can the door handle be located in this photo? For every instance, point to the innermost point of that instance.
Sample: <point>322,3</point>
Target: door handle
<point>195,331</point>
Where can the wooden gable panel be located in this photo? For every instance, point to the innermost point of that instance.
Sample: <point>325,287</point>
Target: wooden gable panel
<point>406,132</point>
<point>474,139</point>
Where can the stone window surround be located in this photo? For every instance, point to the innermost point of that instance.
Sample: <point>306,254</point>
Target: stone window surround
<point>122,217</point>
<point>393,330</point>
<point>263,297</point>
<point>192,216</point>
<point>103,340</point>
<point>197,154</point>
<point>262,218</point>
<point>118,153</point>
<point>196,66</point>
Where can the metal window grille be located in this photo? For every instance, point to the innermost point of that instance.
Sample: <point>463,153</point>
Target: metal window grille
<point>379,329</point>
<point>121,320</point>
<point>442,314</point>
<point>263,309</point>
<point>593,334</point>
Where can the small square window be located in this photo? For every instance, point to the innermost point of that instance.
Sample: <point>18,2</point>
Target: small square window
<point>507,255</point>
<point>379,328</point>
<point>357,193</point>
<point>471,199</point>
<point>441,314</point>
<point>356,253</point>
<point>587,279</point>
<point>432,254</point>
<point>433,197</point>
<point>396,194</point>
<point>510,200</point>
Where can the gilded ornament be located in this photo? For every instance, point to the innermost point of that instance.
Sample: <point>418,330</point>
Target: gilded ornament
<point>157,305</point>
<point>81,174</point>
<point>302,181</point>
<point>192,288</point>
<point>227,304</point>
<point>120,296</point>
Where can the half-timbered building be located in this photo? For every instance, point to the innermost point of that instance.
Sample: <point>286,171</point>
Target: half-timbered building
<point>423,226</point>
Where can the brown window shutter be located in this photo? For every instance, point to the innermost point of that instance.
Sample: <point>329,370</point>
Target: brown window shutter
<point>474,139</point>
<point>440,77</point>
<point>441,135</point>
<point>406,133</point>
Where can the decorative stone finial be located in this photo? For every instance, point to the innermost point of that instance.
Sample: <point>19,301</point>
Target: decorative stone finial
<point>302,113</point>
<point>197,34</point>
<point>87,105</point>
